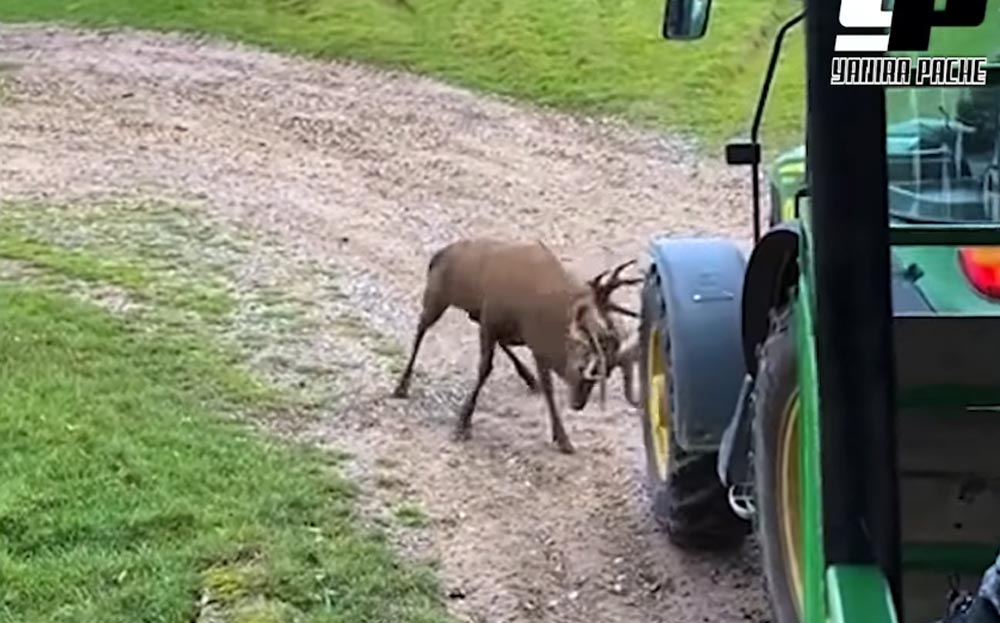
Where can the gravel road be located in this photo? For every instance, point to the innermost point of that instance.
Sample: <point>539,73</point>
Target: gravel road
<point>366,173</point>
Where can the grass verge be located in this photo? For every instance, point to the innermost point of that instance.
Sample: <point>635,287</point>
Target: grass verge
<point>595,57</point>
<point>605,56</point>
<point>132,493</point>
<point>54,238</point>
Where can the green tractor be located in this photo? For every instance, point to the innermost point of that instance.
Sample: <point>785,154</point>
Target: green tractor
<point>836,392</point>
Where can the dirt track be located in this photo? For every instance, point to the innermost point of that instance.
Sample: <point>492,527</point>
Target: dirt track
<point>368,172</point>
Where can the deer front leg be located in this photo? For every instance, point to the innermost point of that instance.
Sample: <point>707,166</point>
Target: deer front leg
<point>487,345</point>
<point>627,360</point>
<point>429,315</point>
<point>629,385</point>
<point>403,386</point>
<point>522,370</point>
<point>559,436</point>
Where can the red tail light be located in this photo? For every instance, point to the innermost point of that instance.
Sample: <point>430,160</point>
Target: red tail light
<point>982,268</point>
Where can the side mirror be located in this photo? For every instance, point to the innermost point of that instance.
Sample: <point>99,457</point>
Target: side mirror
<point>685,19</point>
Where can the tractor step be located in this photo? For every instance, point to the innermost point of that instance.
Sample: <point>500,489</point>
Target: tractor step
<point>741,501</point>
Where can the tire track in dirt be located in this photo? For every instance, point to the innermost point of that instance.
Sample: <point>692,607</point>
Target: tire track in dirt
<point>367,172</point>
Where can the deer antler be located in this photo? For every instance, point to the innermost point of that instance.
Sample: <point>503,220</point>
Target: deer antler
<point>603,289</point>
<point>618,269</point>
<point>595,282</point>
<point>622,310</point>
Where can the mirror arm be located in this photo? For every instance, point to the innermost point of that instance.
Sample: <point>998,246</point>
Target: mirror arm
<point>771,65</point>
<point>759,114</point>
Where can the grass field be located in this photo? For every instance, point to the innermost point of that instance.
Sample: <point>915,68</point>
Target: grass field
<point>604,56</point>
<point>132,489</point>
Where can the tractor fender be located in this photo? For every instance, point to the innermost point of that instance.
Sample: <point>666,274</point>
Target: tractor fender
<point>699,282</point>
<point>772,271</point>
<point>733,463</point>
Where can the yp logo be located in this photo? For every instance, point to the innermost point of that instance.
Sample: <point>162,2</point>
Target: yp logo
<point>909,27</point>
<point>909,23</point>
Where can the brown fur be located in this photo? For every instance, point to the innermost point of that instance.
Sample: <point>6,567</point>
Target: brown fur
<point>521,295</point>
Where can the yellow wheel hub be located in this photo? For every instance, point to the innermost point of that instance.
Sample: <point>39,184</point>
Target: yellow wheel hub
<point>790,496</point>
<point>658,403</point>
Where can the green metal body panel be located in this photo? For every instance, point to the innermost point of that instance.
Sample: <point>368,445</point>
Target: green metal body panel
<point>970,559</point>
<point>943,283</point>
<point>858,594</point>
<point>813,563</point>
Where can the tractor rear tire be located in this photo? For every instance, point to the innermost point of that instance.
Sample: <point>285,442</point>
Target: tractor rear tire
<point>688,501</point>
<point>775,453</point>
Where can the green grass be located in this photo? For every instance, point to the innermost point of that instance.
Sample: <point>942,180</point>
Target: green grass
<point>603,56</point>
<point>410,516</point>
<point>127,495</point>
<point>588,55</point>
<point>72,263</point>
<point>119,272</point>
<point>53,239</point>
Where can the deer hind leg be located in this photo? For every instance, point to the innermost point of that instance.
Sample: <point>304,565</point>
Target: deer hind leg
<point>559,436</point>
<point>487,346</point>
<point>522,370</point>
<point>429,315</point>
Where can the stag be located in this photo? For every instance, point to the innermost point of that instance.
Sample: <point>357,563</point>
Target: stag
<point>519,294</point>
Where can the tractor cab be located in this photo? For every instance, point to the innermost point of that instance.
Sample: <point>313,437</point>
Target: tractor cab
<point>837,392</point>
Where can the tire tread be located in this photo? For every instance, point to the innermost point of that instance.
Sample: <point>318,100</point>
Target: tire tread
<point>691,504</point>
<point>776,381</point>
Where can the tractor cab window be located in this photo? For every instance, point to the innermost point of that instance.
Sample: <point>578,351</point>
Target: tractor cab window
<point>943,154</point>
<point>942,147</point>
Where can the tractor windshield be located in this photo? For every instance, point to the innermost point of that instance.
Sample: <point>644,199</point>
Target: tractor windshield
<point>943,156</point>
<point>942,143</point>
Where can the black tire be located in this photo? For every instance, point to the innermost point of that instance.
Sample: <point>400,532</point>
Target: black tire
<point>689,502</point>
<point>775,389</point>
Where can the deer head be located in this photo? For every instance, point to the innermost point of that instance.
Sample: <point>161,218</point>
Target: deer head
<point>596,341</point>
<point>592,343</point>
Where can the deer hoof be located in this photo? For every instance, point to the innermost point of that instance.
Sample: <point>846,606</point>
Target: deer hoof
<point>565,446</point>
<point>462,433</point>
<point>400,392</point>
